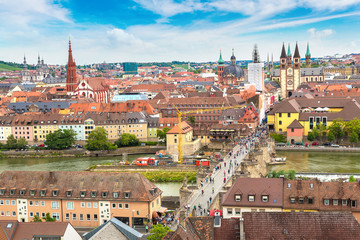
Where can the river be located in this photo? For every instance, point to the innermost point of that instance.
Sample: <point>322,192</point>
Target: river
<point>315,162</point>
<point>76,164</point>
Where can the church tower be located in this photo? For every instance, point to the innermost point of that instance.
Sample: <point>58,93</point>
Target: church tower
<point>296,68</point>
<point>71,82</point>
<point>256,71</point>
<point>308,57</point>
<point>233,58</point>
<point>220,68</point>
<point>283,59</point>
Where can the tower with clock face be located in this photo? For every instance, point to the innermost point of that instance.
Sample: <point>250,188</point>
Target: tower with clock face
<point>289,71</point>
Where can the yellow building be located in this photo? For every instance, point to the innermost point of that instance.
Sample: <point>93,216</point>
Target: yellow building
<point>45,124</point>
<point>311,112</point>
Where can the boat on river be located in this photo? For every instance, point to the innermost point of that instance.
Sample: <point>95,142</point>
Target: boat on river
<point>278,161</point>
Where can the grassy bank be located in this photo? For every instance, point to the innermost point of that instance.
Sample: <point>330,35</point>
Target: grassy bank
<point>173,176</point>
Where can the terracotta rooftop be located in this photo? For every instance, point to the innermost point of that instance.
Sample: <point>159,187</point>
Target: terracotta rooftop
<point>295,124</point>
<point>185,127</point>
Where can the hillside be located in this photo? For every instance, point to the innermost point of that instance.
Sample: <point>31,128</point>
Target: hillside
<point>6,66</point>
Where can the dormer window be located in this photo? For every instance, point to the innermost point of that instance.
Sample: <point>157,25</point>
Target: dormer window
<point>292,200</point>
<point>43,193</point>
<point>12,191</point>
<point>68,193</point>
<point>55,193</point>
<point>301,200</point>
<point>104,194</point>
<point>251,198</point>
<point>93,194</point>
<point>2,191</point>
<point>32,192</point>
<point>22,192</point>
<point>265,198</point>
<point>237,197</point>
<point>115,194</point>
<point>127,195</point>
<point>82,193</point>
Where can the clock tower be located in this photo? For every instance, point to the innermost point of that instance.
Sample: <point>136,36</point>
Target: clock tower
<point>289,71</point>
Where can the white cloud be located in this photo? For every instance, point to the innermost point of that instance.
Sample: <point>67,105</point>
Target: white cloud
<point>331,5</point>
<point>320,34</point>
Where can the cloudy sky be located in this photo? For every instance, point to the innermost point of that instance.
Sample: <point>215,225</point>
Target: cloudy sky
<point>167,30</point>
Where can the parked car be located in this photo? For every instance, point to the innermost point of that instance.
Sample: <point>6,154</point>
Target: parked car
<point>327,144</point>
<point>42,145</point>
<point>335,145</point>
<point>314,143</point>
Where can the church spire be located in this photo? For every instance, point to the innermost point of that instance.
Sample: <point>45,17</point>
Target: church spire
<point>283,53</point>
<point>296,54</point>
<point>307,50</point>
<point>39,59</point>
<point>221,61</point>
<point>289,52</point>
<point>233,58</point>
<point>256,57</point>
<point>25,64</point>
<point>71,82</point>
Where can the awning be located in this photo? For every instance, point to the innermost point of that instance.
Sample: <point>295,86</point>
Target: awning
<point>162,210</point>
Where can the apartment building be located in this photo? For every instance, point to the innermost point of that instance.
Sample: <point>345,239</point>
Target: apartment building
<point>85,199</point>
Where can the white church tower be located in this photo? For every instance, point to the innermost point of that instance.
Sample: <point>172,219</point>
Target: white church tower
<point>256,71</point>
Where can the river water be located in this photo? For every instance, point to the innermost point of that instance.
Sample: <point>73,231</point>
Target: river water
<point>315,162</point>
<point>77,164</point>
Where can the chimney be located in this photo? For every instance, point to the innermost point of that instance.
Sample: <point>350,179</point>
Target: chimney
<point>242,234</point>
<point>51,178</point>
<point>217,219</point>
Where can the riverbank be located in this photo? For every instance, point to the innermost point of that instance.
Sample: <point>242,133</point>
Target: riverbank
<point>81,152</point>
<point>318,149</point>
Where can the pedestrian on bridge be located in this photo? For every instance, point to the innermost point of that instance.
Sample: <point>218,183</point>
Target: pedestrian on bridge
<point>212,189</point>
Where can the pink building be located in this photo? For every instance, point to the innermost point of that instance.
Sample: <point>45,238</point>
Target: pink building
<point>295,132</point>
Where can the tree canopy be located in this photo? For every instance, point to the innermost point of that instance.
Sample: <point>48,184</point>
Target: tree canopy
<point>13,143</point>
<point>158,232</point>
<point>97,140</point>
<point>127,139</point>
<point>162,133</point>
<point>61,139</point>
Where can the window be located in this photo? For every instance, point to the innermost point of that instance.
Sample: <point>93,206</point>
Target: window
<point>88,217</point>
<point>95,217</point>
<point>68,193</point>
<point>7,202</point>
<point>88,204</point>
<point>43,214</point>
<point>115,194</point>
<point>42,203</point>
<point>126,206</point>
<point>353,203</point>
<point>264,198</point>
<point>280,122</point>
<point>311,186</point>
<point>70,205</point>
<point>12,191</point>
<point>93,194</point>
<point>229,211</point>
<point>32,192</point>
<point>251,198</point>
<point>292,200</point>
<point>127,195</point>
<point>301,200</point>
<point>237,197</point>
<point>14,214</point>
<point>335,202</point>
<point>326,202</point>
<point>55,193</point>
<point>310,200</point>
<point>2,191</point>
<point>237,211</point>
<point>67,216</point>
<point>82,193</point>
<point>289,185</point>
<point>31,203</point>
<point>344,202</point>
<point>1,202</point>
<point>55,205</point>
<point>120,205</point>
<point>280,115</point>
<point>74,217</point>
<point>113,205</point>
<point>31,214</point>
<point>94,204</point>
<point>311,123</point>
<point>81,217</point>
<point>56,216</point>
<point>13,202</point>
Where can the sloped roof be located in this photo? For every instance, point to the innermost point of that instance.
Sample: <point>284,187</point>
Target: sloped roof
<point>295,124</point>
<point>26,230</point>
<point>185,127</point>
<point>300,225</point>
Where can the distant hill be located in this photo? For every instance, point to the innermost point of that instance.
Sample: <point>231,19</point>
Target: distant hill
<point>7,66</point>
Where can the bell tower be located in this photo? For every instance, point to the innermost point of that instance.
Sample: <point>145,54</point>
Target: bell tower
<point>71,82</point>
<point>220,68</point>
<point>308,57</point>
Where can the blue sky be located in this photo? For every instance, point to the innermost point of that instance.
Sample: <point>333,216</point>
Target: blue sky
<point>166,30</point>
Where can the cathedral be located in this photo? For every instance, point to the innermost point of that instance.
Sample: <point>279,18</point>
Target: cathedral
<point>42,72</point>
<point>87,88</point>
<point>229,75</point>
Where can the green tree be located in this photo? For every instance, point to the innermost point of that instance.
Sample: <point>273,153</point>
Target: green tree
<point>21,143</point>
<point>337,129</point>
<point>310,136</point>
<point>48,218</point>
<point>98,140</point>
<point>278,137</point>
<point>37,218</point>
<point>162,133</point>
<point>352,179</point>
<point>331,137</point>
<point>291,174</point>
<point>11,142</point>
<point>61,139</point>
<point>158,232</point>
<point>354,137</point>
<point>127,139</point>
<point>352,126</point>
<point>191,120</point>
